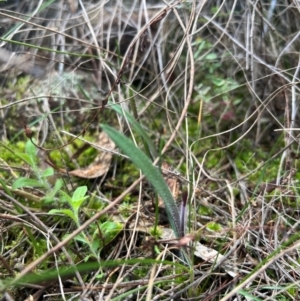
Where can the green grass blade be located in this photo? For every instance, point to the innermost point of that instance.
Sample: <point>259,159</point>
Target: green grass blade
<point>65,272</point>
<point>249,296</point>
<point>152,174</point>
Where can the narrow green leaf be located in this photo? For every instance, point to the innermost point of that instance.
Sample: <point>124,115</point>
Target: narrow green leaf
<point>249,296</point>
<point>22,182</point>
<point>30,149</point>
<point>152,174</point>
<point>48,172</point>
<point>69,271</point>
<point>136,125</point>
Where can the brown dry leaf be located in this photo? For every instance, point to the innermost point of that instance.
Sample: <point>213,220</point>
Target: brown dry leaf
<point>101,163</point>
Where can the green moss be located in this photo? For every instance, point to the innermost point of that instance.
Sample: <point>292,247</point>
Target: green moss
<point>216,227</point>
<point>129,174</point>
<point>20,86</point>
<point>9,151</point>
<point>203,210</point>
<point>249,159</point>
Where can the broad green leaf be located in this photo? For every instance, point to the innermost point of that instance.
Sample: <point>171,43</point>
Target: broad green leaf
<point>110,229</point>
<point>211,56</point>
<point>58,185</point>
<point>78,198</point>
<point>48,172</point>
<point>76,204</point>
<point>213,226</point>
<point>79,193</point>
<point>66,212</point>
<point>218,81</point>
<point>96,245</point>
<point>82,239</point>
<point>26,182</point>
<point>30,149</point>
<point>136,125</point>
<point>151,172</point>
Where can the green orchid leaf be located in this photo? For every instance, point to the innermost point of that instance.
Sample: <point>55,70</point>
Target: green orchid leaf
<point>151,172</point>
<point>136,125</point>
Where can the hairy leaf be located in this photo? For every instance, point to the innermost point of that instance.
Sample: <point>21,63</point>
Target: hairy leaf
<point>151,172</point>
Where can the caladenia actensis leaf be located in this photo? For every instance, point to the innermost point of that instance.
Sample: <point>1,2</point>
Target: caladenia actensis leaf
<point>151,172</point>
<point>154,176</point>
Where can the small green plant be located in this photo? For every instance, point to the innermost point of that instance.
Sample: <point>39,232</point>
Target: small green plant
<point>214,82</point>
<point>156,232</point>
<point>78,197</point>
<point>126,209</point>
<point>39,178</point>
<point>101,235</point>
